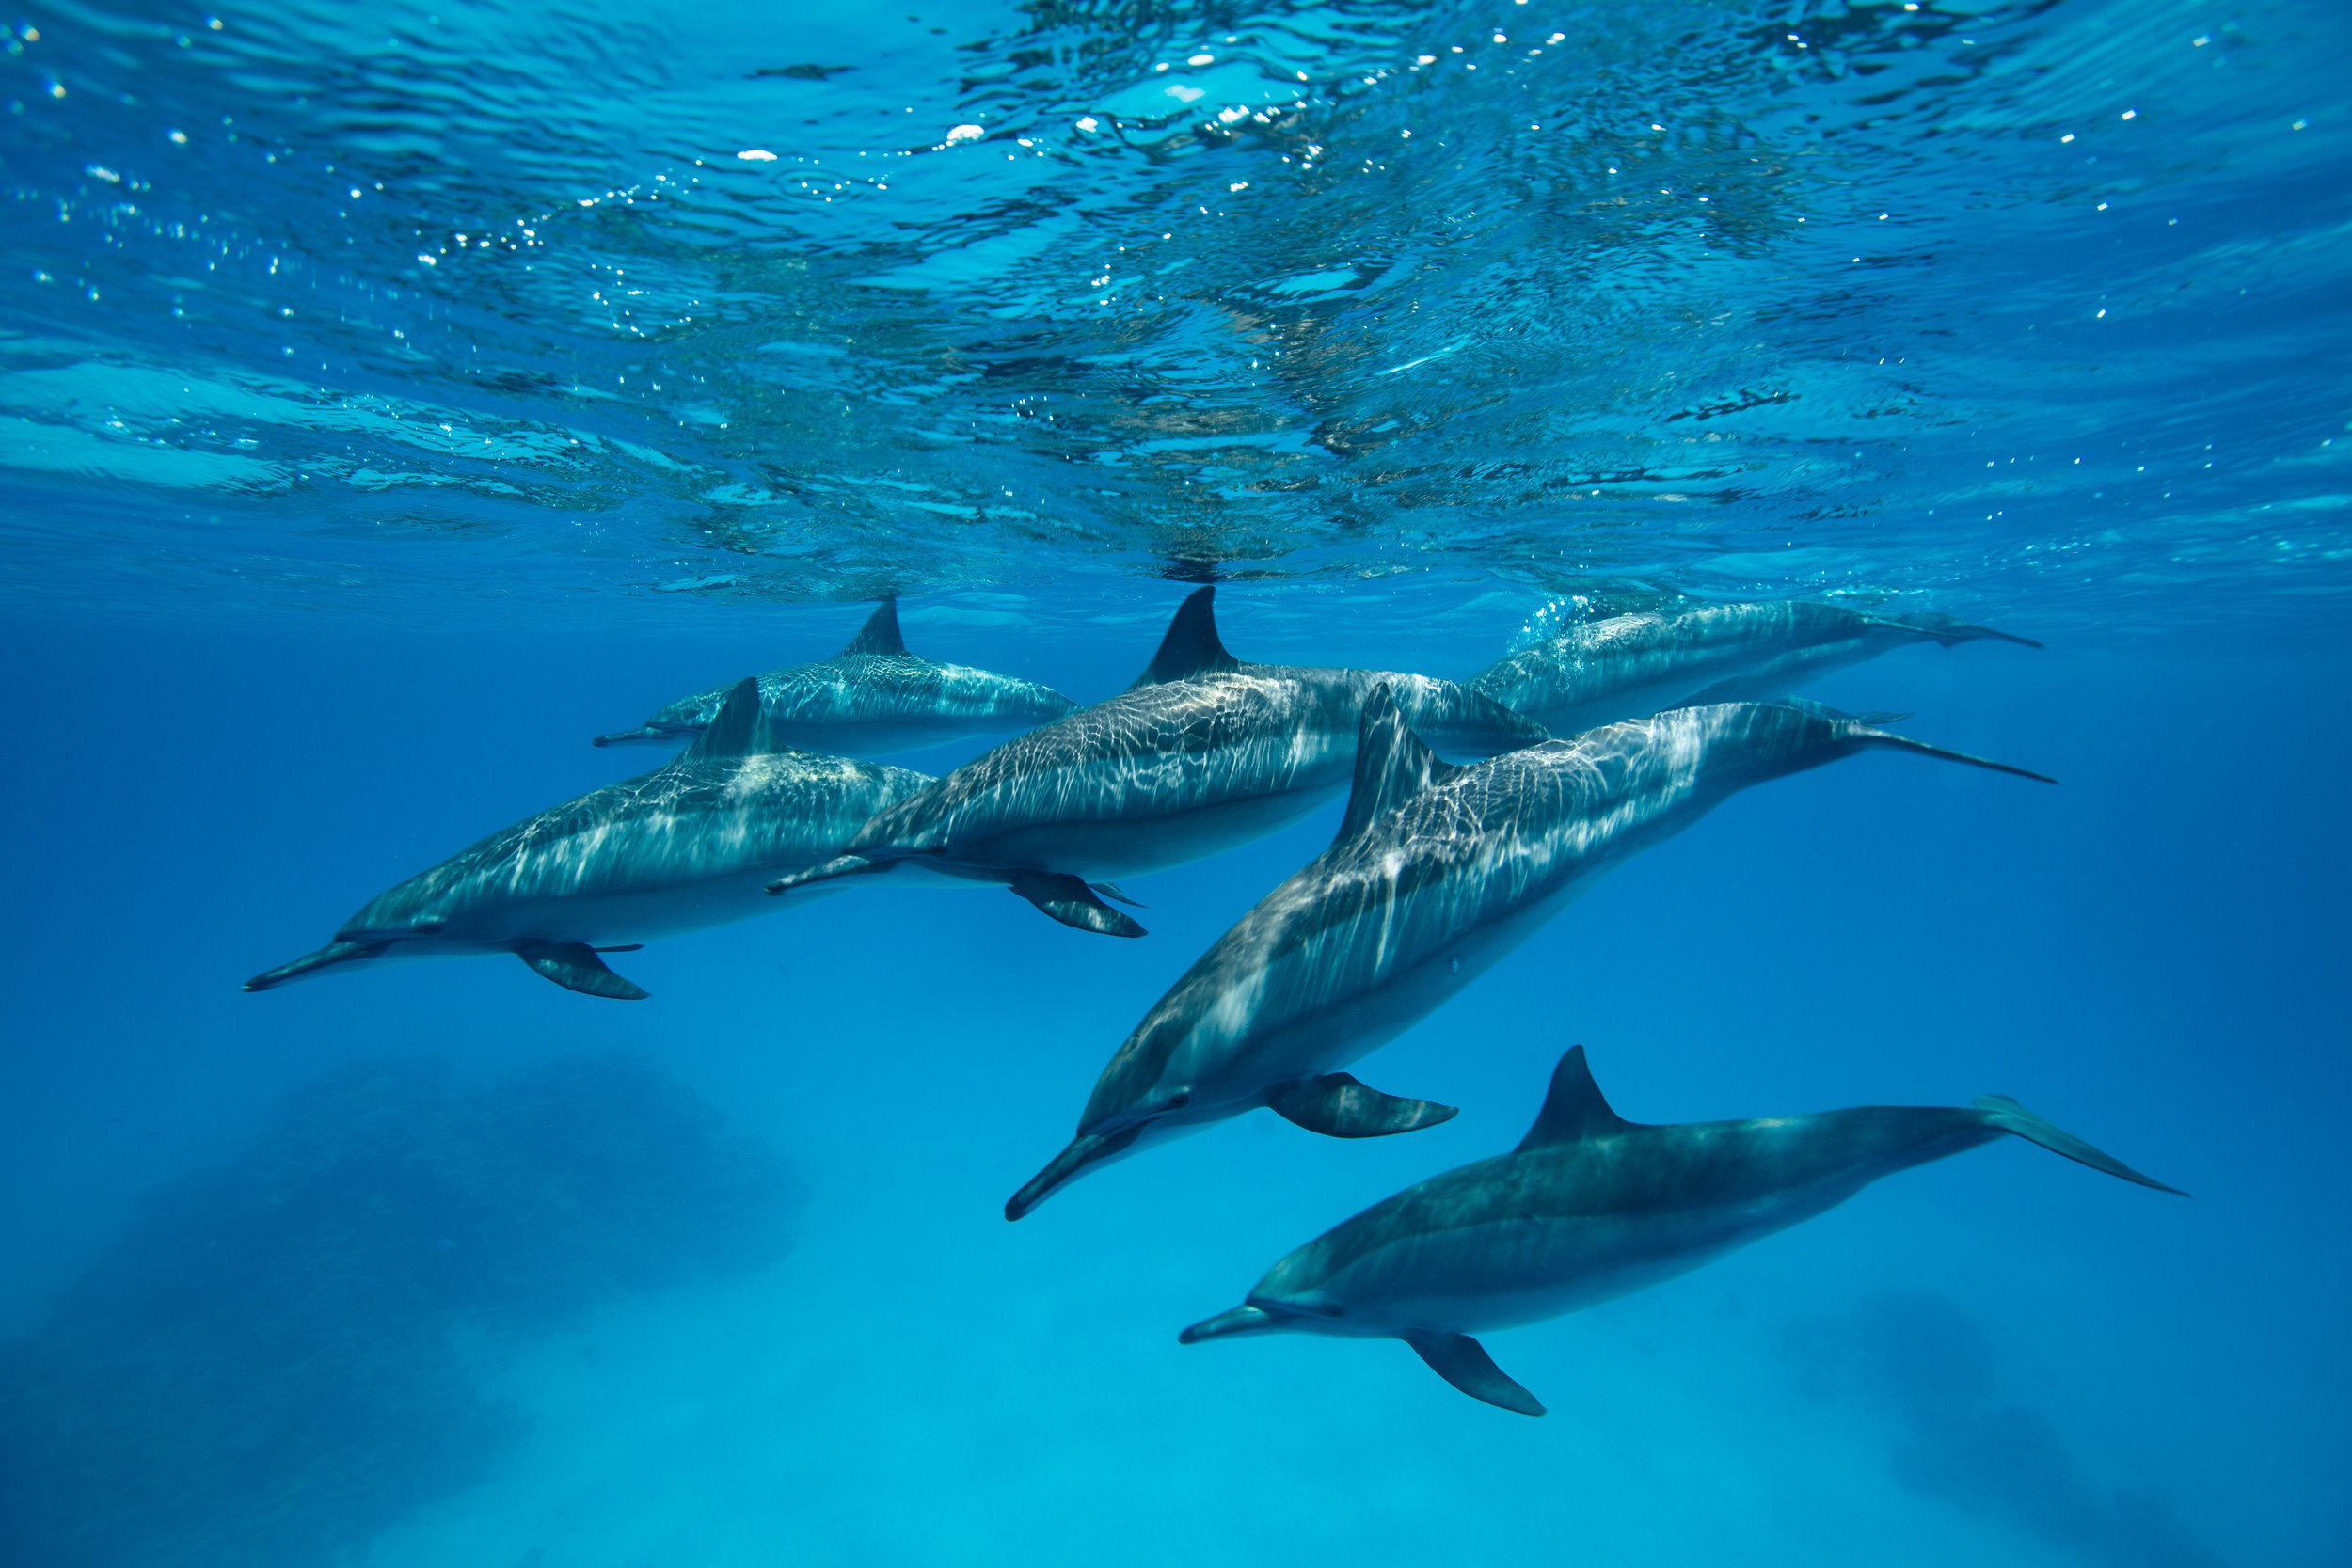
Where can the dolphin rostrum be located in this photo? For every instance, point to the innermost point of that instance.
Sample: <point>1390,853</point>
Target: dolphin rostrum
<point>1590,1208</point>
<point>1436,873</point>
<point>870,699</point>
<point>676,849</point>
<point>1628,666</point>
<point>1203,753</point>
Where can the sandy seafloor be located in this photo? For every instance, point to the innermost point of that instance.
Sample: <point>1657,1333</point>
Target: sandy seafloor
<point>2000,1359</point>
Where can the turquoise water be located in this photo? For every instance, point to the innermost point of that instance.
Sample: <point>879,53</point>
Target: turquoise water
<point>394,399</point>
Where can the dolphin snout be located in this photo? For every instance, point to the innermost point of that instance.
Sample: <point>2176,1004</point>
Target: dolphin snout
<point>1084,1149</point>
<point>337,952</point>
<point>1241,1319</point>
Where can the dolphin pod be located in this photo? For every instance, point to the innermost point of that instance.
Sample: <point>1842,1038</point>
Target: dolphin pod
<point>869,700</point>
<point>1627,666</point>
<point>1436,873</point>
<point>1466,829</point>
<point>1591,1206</point>
<point>1203,753</point>
<point>685,846</point>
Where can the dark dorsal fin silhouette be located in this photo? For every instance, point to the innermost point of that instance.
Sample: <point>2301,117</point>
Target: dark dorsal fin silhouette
<point>1393,765</point>
<point>880,635</point>
<point>739,729</point>
<point>1574,1110</point>
<point>1191,646</point>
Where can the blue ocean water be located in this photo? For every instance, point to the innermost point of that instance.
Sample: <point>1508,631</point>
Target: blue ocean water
<point>396,397</point>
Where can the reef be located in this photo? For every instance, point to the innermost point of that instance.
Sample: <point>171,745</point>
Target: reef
<point>281,1357</point>
<point>1922,1362</point>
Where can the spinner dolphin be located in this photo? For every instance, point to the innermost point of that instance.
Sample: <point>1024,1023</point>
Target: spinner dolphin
<point>683,847</point>
<point>1203,753</point>
<point>870,699</point>
<point>1436,873</point>
<point>1590,1208</point>
<point>1628,666</point>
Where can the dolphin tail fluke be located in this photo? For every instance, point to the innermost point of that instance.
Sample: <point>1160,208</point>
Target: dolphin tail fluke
<point>576,967</point>
<point>1241,1319</point>
<point>1337,1106</point>
<point>1903,743</point>
<point>2006,1114</point>
<point>1070,900</point>
<point>1464,1362</point>
<point>311,963</point>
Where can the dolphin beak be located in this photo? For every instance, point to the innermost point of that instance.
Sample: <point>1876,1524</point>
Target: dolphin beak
<point>311,963</point>
<point>1241,1319</point>
<point>1084,1151</point>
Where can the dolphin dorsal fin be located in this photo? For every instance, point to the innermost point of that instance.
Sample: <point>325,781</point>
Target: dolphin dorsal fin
<point>1574,1110</point>
<point>740,728</point>
<point>1392,764</point>
<point>1191,646</point>
<point>880,635</point>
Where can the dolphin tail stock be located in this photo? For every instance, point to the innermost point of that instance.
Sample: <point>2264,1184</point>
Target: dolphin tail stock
<point>1225,1326</point>
<point>1071,900</point>
<point>575,966</point>
<point>1872,736</point>
<point>2006,1114</point>
<point>1338,1106</point>
<point>311,963</point>
<point>1464,1362</point>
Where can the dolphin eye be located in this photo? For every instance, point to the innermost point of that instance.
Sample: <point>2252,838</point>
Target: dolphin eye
<point>1175,1100</point>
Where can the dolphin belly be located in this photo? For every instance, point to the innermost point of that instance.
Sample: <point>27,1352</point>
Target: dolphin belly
<point>1107,848</point>
<point>630,915</point>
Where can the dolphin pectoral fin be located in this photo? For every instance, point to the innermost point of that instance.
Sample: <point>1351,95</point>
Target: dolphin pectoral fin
<point>311,963</point>
<point>1113,891</point>
<point>621,947</point>
<point>2006,1114</point>
<point>1464,1362</point>
<point>1066,899</point>
<point>576,967</point>
<point>1337,1106</point>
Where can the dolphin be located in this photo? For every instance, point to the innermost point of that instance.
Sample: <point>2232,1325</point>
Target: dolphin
<point>1590,1208</point>
<point>869,700</point>
<point>1628,666</point>
<point>676,849</point>
<point>1436,873</point>
<point>1203,753</point>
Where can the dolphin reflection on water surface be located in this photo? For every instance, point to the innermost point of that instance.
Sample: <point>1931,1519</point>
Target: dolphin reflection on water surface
<point>1590,1208</point>
<point>1436,873</point>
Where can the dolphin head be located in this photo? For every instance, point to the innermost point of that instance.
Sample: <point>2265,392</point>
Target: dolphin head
<point>675,725</point>
<point>422,906</point>
<point>1170,1078</point>
<point>1456,722</point>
